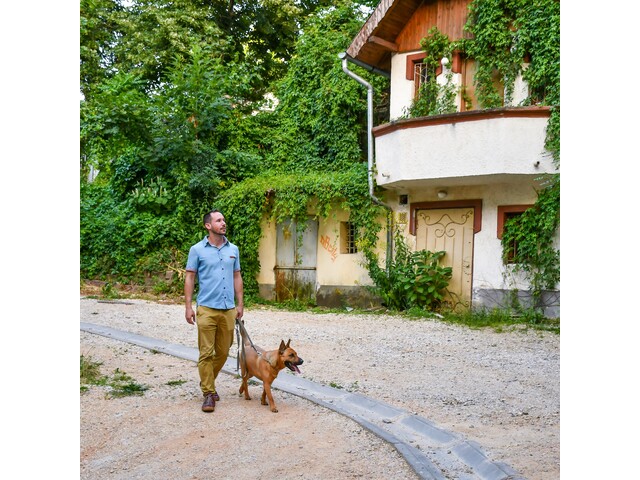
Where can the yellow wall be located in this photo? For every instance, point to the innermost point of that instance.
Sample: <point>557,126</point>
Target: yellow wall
<point>267,252</point>
<point>335,268</point>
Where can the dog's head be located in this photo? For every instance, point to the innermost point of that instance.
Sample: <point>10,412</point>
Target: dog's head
<point>289,356</point>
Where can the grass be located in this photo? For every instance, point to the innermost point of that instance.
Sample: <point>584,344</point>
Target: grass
<point>175,383</point>
<point>499,319</point>
<point>117,385</point>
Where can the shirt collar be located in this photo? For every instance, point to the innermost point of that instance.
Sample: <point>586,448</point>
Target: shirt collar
<point>206,243</point>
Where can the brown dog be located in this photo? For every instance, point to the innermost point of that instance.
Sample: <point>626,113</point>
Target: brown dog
<point>265,365</point>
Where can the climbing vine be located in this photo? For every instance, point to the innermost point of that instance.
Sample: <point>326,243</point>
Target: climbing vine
<point>432,98</point>
<point>278,196</point>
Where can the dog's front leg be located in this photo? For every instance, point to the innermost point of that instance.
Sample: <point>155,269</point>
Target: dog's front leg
<point>266,393</point>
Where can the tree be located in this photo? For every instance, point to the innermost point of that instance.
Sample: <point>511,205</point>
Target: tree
<point>98,34</point>
<point>174,122</point>
<point>322,113</point>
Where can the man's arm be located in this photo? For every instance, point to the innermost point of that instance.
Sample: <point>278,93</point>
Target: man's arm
<point>238,287</point>
<point>189,285</point>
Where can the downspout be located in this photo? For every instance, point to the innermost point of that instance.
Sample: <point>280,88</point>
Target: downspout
<point>370,158</point>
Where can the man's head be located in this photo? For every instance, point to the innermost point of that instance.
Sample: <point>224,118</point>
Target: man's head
<point>214,222</point>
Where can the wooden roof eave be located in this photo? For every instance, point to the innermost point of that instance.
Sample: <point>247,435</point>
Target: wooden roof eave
<point>376,39</point>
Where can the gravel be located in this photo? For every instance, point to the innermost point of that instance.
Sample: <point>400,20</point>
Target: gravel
<point>501,390</point>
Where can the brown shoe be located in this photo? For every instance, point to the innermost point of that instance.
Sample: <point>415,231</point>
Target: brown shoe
<point>216,397</point>
<point>209,404</point>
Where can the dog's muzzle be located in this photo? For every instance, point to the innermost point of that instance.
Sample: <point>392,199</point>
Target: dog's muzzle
<point>294,366</point>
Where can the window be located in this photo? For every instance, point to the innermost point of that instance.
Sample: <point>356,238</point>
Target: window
<point>419,77</point>
<point>505,213</point>
<point>348,237</point>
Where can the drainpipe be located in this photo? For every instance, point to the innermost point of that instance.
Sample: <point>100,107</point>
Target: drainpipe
<point>370,159</point>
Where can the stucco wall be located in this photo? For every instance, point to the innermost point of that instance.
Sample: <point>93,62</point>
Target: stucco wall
<point>493,146</point>
<point>339,276</point>
<point>401,88</point>
<point>335,268</point>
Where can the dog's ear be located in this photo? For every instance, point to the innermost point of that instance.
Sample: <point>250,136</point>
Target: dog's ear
<point>282,347</point>
<point>288,343</point>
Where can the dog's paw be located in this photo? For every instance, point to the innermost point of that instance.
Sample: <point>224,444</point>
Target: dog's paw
<point>274,410</point>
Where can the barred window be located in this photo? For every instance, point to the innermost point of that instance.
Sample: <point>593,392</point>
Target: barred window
<point>419,76</point>
<point>348,237</point>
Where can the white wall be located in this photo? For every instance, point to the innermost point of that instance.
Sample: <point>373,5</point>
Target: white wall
<point>497,146</point>
<point>401,88</point>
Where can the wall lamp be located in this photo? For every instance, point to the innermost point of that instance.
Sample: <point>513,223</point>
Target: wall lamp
<point>442,194</point>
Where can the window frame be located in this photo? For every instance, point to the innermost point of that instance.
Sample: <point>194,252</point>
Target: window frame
<point>504,213</point>
<point>348,238</point>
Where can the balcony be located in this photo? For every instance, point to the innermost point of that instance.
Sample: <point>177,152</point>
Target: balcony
<point>467,148</point>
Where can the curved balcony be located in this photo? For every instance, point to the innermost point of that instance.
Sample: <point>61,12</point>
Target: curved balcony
<point>466,148</point>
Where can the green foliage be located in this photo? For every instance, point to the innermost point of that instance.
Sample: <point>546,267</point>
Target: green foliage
<point>173,119</point>
<point>501,318</point>
<point>322,112</point>
<point>174,126</point>
<point>98,30</point>
<point>90,371</point>
<point>313,157</point>
<point>534,233</point>
<point>176,383</point>
<point>504,34</point>
<point>116,238</point>
<point>412,279</point>
<point>115,122</point>
<point>278,197</point>
<point>432,98</point>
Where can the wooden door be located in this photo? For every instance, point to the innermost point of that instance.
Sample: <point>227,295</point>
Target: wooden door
<point>451,230</point>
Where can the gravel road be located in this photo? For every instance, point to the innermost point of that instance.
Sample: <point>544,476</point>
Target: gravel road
<point>501,390</point>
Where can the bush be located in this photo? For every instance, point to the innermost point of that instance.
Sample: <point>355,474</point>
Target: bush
<point>412,279</point>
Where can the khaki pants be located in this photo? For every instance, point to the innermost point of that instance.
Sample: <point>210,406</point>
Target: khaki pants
<point>215,337</point>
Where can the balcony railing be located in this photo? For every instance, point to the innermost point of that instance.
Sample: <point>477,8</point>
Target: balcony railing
<point>475,147</point>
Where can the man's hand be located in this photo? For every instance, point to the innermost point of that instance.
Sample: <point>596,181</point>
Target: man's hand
<point>190,315</point>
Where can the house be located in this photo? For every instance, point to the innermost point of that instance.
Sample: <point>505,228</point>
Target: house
<point>451,180</point>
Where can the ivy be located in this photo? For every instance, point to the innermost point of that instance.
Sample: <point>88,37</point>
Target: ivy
<point>432,98</point>
<point>533,232</point>
<point>505,33</point>
<point>278,196</point>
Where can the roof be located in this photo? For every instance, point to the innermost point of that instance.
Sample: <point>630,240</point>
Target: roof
<point>376,40</point>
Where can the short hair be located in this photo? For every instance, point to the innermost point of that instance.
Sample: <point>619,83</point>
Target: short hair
<point>207,216</point>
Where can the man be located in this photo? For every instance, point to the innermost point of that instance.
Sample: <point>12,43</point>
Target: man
<point>216,262</point>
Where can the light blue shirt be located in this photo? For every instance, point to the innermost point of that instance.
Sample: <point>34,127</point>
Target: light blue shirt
<point>214,268</point>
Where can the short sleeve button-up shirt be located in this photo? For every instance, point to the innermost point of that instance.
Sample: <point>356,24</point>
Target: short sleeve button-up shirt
<point>214,268</point>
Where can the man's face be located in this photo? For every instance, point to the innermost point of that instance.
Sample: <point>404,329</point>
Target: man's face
<point>217,224</point>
